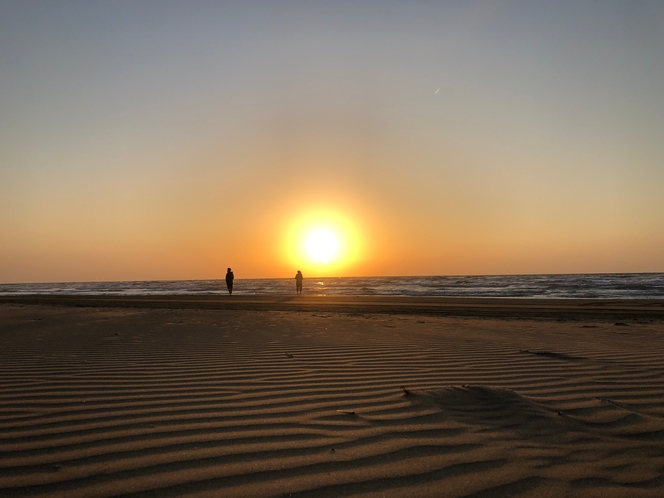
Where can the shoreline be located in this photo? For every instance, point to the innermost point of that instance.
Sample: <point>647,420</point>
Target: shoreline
<point>562,309</point>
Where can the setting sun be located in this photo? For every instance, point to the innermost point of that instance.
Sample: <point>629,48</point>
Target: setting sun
<point>322,245</point>
<point>322,242</point>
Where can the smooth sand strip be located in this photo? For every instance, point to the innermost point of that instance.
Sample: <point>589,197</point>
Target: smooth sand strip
<point>200,402</point>
<point>558,309</point>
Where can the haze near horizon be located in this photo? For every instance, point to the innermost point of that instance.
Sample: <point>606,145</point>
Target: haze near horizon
<point>171,140</point>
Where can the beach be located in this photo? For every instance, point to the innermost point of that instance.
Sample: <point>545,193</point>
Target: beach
<point>330,396</point>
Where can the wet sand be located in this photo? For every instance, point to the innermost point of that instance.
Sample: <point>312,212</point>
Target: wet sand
<point>506,308</point>
<point>287,396</point>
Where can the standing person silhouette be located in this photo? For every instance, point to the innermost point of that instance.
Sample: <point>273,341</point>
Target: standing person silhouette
<point>229,281</point>
<point>298,282</point>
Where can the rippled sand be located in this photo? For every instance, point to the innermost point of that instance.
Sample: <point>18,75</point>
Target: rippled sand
<point>166,402</point>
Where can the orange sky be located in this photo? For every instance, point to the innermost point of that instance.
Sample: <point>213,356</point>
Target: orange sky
<point>151,141</point>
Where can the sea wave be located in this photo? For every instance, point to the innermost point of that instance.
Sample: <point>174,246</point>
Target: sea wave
<point>623,285</point>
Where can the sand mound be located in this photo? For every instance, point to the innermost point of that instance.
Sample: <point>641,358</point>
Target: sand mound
<point>499,409</point>
<point>496,408</point>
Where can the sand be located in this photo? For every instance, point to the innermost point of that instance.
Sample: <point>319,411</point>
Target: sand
<point>331,397</point>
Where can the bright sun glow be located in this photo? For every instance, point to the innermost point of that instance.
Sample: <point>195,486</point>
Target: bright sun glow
<point>322,243</point>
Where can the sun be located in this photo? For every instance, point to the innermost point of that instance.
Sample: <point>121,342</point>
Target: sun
<point>322,242</point>
<point>322,245</point>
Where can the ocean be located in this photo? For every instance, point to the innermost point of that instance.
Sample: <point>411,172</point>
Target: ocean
<point>602,286</point>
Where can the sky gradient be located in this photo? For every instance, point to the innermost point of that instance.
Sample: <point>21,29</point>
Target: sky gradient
<point>170,140</point>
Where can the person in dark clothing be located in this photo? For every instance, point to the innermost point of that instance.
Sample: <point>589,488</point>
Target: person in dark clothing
<point>229,281</point>
<point>298,282</point>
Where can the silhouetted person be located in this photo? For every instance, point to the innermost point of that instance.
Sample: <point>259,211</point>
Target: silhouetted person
<point>229,280</point>
<point>298,282</point>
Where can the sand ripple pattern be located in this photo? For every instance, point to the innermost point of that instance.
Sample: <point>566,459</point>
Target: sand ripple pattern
<point>229,403</point>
